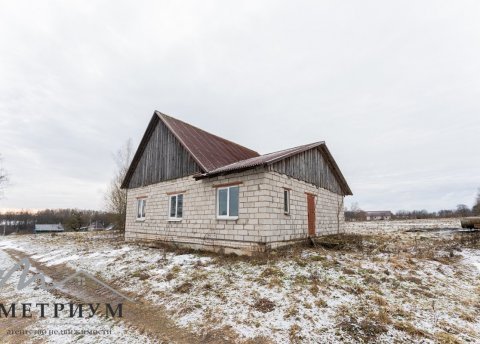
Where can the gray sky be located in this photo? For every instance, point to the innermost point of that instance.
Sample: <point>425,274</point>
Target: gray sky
<point>392,87</point>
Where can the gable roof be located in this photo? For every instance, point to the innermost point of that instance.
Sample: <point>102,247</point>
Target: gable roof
<point>271,158</point>
<point>215,155</point>
<point>208,150</point>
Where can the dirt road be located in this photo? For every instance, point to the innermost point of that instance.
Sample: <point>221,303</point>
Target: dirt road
<point>150,320</point>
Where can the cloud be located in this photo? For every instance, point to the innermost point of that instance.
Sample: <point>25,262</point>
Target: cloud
<point>393,89</point>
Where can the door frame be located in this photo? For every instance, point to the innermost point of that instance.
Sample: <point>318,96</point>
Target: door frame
<point>311,214</point>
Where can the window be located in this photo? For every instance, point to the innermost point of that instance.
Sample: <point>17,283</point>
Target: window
<point>175,212</point>
<point>227,202</point>
<point>286,201</point>
<point>141,206</point>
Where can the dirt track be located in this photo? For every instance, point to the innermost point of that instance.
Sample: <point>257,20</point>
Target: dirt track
<point>153,321</point>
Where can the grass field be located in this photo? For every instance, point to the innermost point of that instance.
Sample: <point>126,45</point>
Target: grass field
<point>386,282</point>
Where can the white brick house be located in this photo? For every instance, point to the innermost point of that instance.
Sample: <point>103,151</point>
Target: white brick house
<point>191,188</point>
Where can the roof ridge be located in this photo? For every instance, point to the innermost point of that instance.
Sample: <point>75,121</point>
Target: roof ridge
<point>286,149</point>
<point>275,152</point>
<point>161,114</point>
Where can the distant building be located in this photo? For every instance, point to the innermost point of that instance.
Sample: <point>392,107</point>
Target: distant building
<point>96,226</point>
<point>48,228</point>
<point>378,215</point>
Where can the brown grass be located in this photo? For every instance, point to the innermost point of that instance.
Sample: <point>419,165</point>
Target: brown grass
<point>379,300</point>
<point>264,305</point>
<point>407,327</point>
<point>446,338</point>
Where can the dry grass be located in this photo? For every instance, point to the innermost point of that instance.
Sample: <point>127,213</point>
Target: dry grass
<point>410,329</point>
<point>184,287</point>
<point>141,275</point>
<point>380,301</point>
<point>294,334</point>
<point>264,305</point>
<point>446,338</point>
<point>375,285</point>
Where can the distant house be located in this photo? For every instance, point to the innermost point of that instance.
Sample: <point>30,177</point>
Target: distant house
<point>195,189</point>
<point>378,215</point>
<point>48,228</point>
<point>96,226</point>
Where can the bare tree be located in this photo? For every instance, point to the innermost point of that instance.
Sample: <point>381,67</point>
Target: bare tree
<point>354,207</point>
<point>340,207</point>
<point>355,213</point>
<point>116,197</point>
<point>463,210</point>
<point>476,207</point>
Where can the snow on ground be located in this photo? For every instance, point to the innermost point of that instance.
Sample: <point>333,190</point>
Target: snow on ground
<point>471,257</point>
<point>401,225</point>
<point>393,286</point>
<point>114,331</point>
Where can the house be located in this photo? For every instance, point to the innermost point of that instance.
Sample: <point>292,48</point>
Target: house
<point>48,228</point>
<point>96,226</point>
<point>378,215</point>
<point>191,188</point>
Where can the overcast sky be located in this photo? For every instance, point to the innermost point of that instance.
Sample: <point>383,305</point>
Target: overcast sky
<point>393,87</point>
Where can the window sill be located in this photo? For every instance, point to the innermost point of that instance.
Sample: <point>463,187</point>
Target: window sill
<point>286,214</point>
<point>140,220</point>
<point>231,218</point>
<point>174,220</point>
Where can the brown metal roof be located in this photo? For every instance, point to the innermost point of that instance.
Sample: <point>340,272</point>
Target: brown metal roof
<point>262,159</point>
<point>216,155</point>
<point>271,158</point>
<point>209,151</point>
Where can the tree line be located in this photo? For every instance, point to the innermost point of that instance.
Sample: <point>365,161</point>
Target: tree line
<point>355,213</point>
<point>75,219</point>
<point>71,219</point>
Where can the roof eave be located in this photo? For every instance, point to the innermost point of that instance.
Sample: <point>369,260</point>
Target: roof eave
<point>223,173</point>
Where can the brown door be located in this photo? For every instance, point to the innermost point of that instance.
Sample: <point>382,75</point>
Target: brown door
<point>311,214</point>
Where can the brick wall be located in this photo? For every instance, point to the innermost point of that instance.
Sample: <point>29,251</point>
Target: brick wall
<point>261,222</point>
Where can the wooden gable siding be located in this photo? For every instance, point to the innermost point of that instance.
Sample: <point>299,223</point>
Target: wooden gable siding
<point>163,158</point>
<point>311,167</point>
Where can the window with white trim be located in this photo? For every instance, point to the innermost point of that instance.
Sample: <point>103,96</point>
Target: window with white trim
<point>286,201</point>
<point>227,202</point>
<point>175,211</point>
<point>141,208</point>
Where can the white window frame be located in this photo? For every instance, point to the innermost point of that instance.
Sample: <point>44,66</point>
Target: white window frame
<point>175,218</point>
<point>141,204</point>
<point>227,217</point>
<point>287,193</point>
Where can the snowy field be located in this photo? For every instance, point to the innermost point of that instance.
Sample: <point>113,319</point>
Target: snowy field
<point>373,227</point>
<point>386,285</point>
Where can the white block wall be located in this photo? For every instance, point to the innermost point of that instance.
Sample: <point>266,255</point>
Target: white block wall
<point>261,223</point>
<point>329,209</point>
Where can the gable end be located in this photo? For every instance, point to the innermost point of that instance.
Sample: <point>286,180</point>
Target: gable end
<point>159,157</point>
<point>315,167</point>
